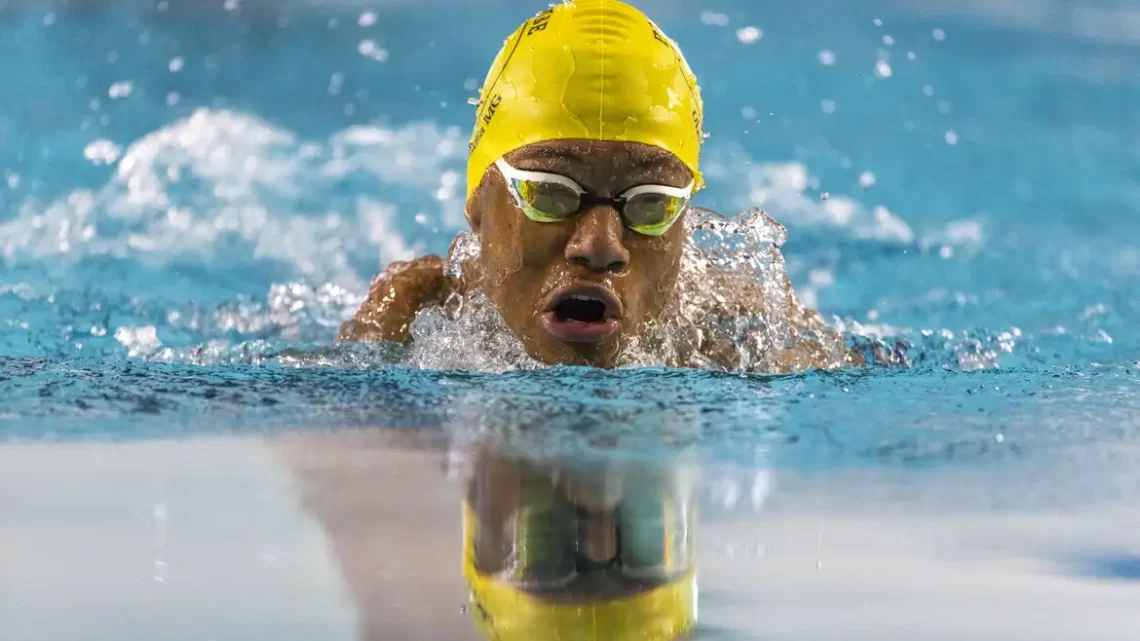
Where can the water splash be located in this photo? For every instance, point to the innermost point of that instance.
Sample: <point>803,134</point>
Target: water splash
<point>734,309</point>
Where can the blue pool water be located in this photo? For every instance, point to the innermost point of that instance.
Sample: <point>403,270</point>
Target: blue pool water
<point>194,193</point>
<point>191,188</point>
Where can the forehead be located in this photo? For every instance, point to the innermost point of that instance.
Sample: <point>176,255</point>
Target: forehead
<point>601,162</point>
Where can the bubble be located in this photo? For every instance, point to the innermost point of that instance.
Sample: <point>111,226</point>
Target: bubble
<point>927,90</point>
<point>749,35</point>
<point>827,57</point>
<point>827,106</point>
<point>910,56</point>
<point>172,98</point>
<point>748,113</point>
<point>471,84</point>
<point>176,65</point>
<point>951,137</point>
<point>824,196</point>
<point>878,22</point>
<point>938,34</point>
<point>888,40</point>
<point>866,179</point>
<point>883,69</point>
<point>49,19</point>
<point>367,19</point>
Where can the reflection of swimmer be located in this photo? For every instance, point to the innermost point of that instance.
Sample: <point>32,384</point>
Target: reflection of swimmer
<point>582,553</point>
<point>583,159</point>
<point>552,549</point>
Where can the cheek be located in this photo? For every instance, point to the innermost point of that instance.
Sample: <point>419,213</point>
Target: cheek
<point>517,256</point>
<point>654,267</point>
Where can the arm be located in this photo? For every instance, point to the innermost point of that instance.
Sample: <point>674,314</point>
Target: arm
<point>397,294</point>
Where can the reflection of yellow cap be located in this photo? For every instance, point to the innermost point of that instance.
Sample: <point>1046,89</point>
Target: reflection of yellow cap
<point>505,613</point>
<point>592,69</point>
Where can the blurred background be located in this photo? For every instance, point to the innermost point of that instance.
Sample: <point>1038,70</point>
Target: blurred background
<point>201,169</point>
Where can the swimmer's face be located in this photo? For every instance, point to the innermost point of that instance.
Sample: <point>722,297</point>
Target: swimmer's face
<point>574,291</point>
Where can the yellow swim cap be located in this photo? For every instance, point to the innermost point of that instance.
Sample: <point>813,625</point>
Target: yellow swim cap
<point>504,613</point>
<point>592,69</point>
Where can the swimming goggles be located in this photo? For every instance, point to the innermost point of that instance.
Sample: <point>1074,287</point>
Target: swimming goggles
<point>649,210</point>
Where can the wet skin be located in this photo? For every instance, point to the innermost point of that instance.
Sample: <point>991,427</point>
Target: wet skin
<point>526,267</point>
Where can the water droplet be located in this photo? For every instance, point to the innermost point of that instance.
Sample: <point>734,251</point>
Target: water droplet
<point>336,82</point>
<point>369,49</point>
<point>749,35</point>
<point>714,19</point>
<point>120,89</point>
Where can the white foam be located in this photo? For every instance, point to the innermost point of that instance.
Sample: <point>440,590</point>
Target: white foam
<point>223,175</point>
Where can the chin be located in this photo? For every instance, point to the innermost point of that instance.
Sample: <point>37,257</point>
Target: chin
<point>550,351</point>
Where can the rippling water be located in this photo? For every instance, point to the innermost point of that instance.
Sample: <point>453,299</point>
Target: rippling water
<point>193,196</point>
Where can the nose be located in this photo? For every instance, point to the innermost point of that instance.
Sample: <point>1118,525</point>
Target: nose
<point>597,242</point>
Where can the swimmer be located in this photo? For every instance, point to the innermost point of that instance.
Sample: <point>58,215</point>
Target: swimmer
<point>584,159</point>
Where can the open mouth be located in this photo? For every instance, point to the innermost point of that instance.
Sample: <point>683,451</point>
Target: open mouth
<point>582,314</point>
